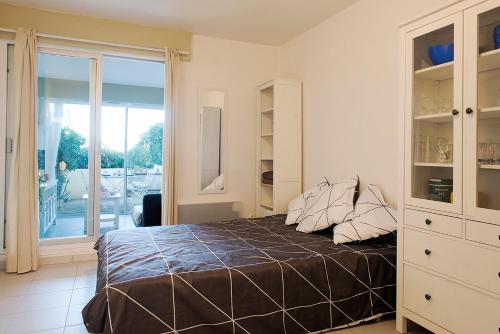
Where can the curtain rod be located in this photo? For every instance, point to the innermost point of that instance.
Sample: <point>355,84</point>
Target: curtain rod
<point>97,42</point>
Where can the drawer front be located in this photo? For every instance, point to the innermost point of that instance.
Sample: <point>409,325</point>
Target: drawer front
<point>433,222</point>
<point>484,233</point>
<point>455,307</point>
<point>455,258</point>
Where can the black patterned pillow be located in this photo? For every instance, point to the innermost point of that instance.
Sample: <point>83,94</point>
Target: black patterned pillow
<point>330,206</point>
<point>372,218</point>
<point>297,206</point>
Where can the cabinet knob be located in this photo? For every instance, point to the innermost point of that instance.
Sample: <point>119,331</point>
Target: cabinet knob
<point>428,222</point>
<point>469,111</point>
<point>427,296</point>
<point>427,252</point>
<point>455,112</point>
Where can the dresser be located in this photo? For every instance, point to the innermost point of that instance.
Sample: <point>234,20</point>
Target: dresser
<point>449,198</point>
<point>279,145</point>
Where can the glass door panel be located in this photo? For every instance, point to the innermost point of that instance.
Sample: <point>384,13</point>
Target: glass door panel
<point>132,121</point>
<point>434,117</point>
<point>483,108</point>
<point>64,142</point>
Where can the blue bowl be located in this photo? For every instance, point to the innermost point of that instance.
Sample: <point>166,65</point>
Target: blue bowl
<point>496,36</point>
<point>441,53</point>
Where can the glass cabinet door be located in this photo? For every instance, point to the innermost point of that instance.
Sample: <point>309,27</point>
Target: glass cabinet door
<point>482,114</point>
<point>434,115</point>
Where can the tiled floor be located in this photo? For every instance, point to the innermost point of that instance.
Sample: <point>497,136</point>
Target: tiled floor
<point>50,301</point>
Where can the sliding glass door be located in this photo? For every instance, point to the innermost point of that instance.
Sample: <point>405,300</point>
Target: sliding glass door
<point>132,121</point>
<point>66,143</point>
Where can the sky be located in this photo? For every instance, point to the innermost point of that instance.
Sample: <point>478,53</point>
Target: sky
<point>77,117</point>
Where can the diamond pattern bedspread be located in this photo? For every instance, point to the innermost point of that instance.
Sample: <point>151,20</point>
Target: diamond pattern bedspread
<point>243,276</point>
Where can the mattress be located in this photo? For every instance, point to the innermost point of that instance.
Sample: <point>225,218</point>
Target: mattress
<point>241,276</point>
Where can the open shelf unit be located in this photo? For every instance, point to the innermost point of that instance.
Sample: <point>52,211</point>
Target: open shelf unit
<point>279,145</point>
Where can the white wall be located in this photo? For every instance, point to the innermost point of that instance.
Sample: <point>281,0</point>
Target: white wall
<point>236,68</point>
<point>349,66</point>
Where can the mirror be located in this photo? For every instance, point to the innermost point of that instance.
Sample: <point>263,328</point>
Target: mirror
<point>212,141</point>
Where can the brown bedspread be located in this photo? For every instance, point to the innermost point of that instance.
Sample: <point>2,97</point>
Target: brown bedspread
<point>243,276</point>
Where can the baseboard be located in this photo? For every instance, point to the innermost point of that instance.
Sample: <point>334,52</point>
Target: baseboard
<point>57,254</point>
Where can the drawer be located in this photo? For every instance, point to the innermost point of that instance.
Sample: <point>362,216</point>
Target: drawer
<point>484,233</point>
<point>452,306</point>
<point>455,258</point>
<point>433,222</point>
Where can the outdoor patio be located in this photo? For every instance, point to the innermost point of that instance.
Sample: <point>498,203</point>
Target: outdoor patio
<point>74,227</point>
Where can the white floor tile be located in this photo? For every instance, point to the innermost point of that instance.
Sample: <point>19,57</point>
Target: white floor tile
<point>40,320</point>
<point>56,271</point>
<point>46,300</point>
<point>78,329</point>
<point>10,288</point>
<point>86,281</point>
<point>53,284</point>
<point>9,305</point>
<point>75,315</point>
<point>82,296</point>
<point>87,268</point>
<point>4,322</point>
<point>50,331</point>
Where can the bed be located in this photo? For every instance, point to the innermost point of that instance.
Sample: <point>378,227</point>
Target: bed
<point>242,276</point>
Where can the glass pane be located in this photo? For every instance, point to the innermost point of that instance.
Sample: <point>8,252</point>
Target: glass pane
<point>63,145</point>
<point>131,139</point>
<point>432,116</point>
<point>488,119</point>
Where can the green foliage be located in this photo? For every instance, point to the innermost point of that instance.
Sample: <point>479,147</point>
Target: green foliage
<point>111,159</point>
<point>71,150</point>
<point>148,151</point>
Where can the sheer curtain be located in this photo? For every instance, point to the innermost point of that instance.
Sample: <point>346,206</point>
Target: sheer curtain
<point>22,200</point>
<point>172,75</point>
<point>53,123</point>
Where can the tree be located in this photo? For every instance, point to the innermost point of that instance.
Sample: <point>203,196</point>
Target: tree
<point>149,150</point>
<point>72,150</point>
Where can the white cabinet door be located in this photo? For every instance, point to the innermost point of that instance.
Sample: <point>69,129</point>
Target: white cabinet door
<point>433,115</point>
<point>482,112</point>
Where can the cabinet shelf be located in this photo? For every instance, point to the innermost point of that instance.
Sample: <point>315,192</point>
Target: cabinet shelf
<point>268,110</point>
<point>265,185</point>
<point>433,164</point>
<point>435,118</point>
<point>438,72</point>
<point>489,113</point>
<point>486,166</point>
<point>267,134</point>
<point>488,61</point>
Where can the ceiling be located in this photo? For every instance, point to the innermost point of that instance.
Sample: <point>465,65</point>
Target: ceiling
<point>272,22</point>
<point>121,71</point>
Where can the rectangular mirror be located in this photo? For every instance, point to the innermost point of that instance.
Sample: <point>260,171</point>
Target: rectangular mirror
<point>211,141</point>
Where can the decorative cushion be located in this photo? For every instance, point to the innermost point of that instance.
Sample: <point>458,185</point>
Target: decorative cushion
<point>330,206</point>
<point>296,207</point>
<point>372,218</point>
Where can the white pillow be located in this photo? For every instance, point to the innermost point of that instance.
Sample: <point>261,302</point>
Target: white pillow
<point>372,218</point>
<point>296,207</point>
<point>330,206</point>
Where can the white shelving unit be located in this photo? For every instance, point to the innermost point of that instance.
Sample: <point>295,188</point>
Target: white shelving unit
<point>432,164</point>
<point>438,72</point>
<point>279,145</point>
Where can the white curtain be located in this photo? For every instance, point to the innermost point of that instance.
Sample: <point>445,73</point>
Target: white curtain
<point>53,123</point>
<point>22,200</point>
<point>169,204</point>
